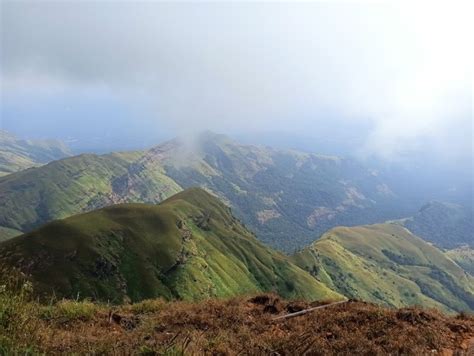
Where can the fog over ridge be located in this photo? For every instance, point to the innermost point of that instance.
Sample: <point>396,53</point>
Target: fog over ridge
<point>397,77</point>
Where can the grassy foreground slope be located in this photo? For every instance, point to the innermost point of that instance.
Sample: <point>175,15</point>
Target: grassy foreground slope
<point>188,247</point>
<point>385,263</point>
<point>17,154</point>
<point>228,327</point>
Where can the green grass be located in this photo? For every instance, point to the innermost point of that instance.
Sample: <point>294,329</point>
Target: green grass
<point>60,189</point>
<point>69,310</point>
<point>188,247</point>
<point>464,257</point>
<point>7,233</point>
<point>148,306</point>
<point>386,264</point>
<point>18,321</point>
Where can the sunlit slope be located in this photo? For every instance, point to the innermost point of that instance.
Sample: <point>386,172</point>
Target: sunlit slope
<point>78,184</point>
<point>287,197</point>
<point>17,154</point>
<point>386,264</point>
<point>6,233</point>
<point>188,247</point>
<point>464,257</point>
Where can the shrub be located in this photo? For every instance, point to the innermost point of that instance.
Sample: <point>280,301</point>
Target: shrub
<point>70,310</point>
<point>148,306</point>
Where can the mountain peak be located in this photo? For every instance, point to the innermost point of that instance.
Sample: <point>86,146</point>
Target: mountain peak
<point>208,135</point>
<point>192,143</point>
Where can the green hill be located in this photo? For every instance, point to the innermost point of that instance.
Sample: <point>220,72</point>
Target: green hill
<point>286,197</point>
<point>278,193</point>
<point>386,264</point>
<point>188,247</point>
<point>78,184</point>
<point>17,154</point>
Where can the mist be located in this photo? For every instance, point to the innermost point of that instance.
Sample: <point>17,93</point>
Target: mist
<point>379,80</point>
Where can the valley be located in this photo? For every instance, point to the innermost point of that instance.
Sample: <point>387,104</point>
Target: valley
<point>447,225</point>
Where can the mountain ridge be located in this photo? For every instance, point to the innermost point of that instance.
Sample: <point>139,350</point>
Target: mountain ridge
<point>387,264</point>
<point>17,154</point>
<point>286,197</point>
<point>445,224</point>
<point>188,247</point>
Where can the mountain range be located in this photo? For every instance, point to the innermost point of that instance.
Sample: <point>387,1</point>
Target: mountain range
<point>191,247</point>
<point>128,226</point>
<point>286,197</point>
<point>17,154</point>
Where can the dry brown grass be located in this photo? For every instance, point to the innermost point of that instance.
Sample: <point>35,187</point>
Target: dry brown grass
<point>245,326</point>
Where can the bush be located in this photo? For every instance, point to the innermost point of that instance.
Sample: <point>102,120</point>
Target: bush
<point>70,310</point>
<point>148,306</point>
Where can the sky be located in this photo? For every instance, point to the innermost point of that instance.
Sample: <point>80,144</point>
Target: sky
<point>376,78</point>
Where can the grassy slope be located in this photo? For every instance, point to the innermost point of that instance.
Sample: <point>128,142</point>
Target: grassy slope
<point>188,247</point>
<point>70,186</point>
<point>386,264</point>
<point>464,257</point>
<point>6,233</point>
<point>286,186</point>
<point>17,154</point>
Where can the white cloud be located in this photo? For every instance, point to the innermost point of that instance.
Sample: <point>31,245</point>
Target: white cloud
<point>404,67</point>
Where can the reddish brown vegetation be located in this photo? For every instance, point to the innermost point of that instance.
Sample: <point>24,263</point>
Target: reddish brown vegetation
<point>246,326</point>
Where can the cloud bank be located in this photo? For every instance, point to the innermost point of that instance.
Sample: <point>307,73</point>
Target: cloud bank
<point>402,73</point>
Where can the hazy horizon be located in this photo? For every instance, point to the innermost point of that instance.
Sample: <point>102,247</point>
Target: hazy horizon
<point>366,79</point>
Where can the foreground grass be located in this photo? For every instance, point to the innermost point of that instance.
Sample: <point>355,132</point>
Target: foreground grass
<point>234,326</point>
